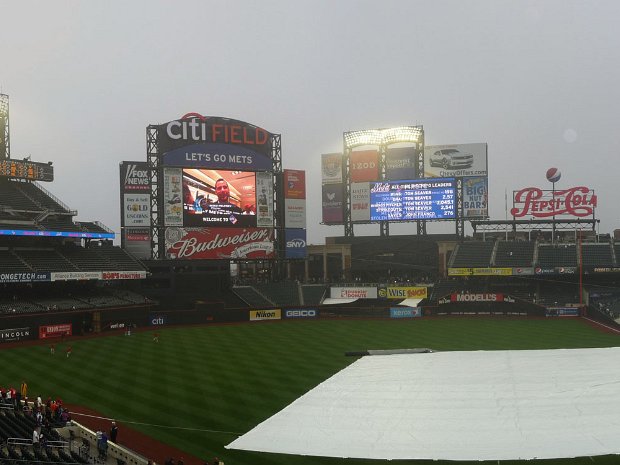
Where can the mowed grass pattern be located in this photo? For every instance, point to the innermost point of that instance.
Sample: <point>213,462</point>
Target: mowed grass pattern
<point>200,387</point>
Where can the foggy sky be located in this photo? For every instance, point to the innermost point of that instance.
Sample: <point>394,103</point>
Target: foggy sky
<point>537,80</point>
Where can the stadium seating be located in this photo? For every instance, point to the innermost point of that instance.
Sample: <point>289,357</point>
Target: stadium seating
<point>514,254</point>
<point>313,294</point>
<point>473,254</point>
<point>45,260</point>
<point>284,293</point>
<point>252,297</point>
<point>11,263</point>
<point>557,255</point>
<point>597,255</point>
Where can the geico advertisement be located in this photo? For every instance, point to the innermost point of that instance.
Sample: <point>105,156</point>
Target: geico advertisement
<point>403,292</point>
<point>301,313</point>
<point>353,292</point>
<point>259,315</point>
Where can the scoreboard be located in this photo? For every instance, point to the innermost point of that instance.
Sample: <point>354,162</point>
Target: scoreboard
<point>420,199</point>
<point>30,170</point>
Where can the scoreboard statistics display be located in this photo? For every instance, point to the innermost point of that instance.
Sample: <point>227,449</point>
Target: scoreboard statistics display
<point>26,170</point>
<point>419,199</point>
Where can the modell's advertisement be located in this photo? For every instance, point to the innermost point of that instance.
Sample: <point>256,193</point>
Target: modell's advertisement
<point>533,202</point>
<point>219,243</point>
<point>455,161</point>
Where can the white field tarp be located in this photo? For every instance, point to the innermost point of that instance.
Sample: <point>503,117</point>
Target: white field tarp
<point>485,405</point>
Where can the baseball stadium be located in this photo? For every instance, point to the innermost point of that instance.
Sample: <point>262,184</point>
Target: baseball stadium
<point>207,331</point>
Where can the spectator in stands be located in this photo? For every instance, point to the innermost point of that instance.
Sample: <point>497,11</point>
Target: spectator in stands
<point>104,444</point>
<point>36,437</point>
<point>99,436</point>
<point>113,432</point>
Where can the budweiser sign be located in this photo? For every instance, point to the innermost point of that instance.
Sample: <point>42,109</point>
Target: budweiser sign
<point>219,243</point>
<point>576,201</point>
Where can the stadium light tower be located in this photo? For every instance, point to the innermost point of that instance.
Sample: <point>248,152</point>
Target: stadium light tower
<point>5,146</point>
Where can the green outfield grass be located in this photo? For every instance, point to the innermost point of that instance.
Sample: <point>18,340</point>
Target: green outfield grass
<point>214,383</point>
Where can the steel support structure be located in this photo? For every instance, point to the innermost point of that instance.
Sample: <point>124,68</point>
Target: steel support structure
<point>153,156</point>
<point>348,224</point>
<point>278,271</point>
<point>5,137</point>
<point>460,221</point>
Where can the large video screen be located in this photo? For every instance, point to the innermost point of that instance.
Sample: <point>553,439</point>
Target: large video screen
<point>419,199</point>
<point>217,198</point>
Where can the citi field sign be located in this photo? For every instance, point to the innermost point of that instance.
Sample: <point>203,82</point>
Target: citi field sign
<point>213,141</point>
<point>534,202</point>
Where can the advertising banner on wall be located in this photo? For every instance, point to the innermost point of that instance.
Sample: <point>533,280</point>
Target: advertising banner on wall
<point>138,242</point>
<point>400,163</point>
<point>459,160</point>
<point>114,275</point>
<point>403,292</point>
<point>135,176</point>
<point>47,331</point>
<point>360,201</point>
<point>353,292</point>
<point>173,201</point>
<point>364,165</point>
<point>475,197</point>
<point>264,200</point>
<point>295,243</point>
<point>75,275</point>
<point>333,203</point>
<point>532,202</point>
<point>219,243</point>
<point>260,315</point>
<point>401,312</point>
<point>294,184</point>
<point>331,168</point>
<point>136,210</point>
<point>25,277</point>
<point>14,334</point>
<point>295,213</point>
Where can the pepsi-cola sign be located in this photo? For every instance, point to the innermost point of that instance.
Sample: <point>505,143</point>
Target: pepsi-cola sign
<point>575,201</point>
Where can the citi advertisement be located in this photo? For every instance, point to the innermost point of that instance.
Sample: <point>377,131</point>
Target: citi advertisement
<point>137,210</point>
<point>47,331</point>
<point>475,197</point>
<point>295,243</point>
<point>214,142</point>
<point>219,243</point>
<point>135,176</point>
<point>261,315</point>
<point>364,165</point>
<point>400,163</point>
<point>360,201</point>
<point>353,292</point>
<point>533,202</point>
<point>156,319</point>
<point>455,161</point>
<point>333,203</point>
<point>331,168</point>
<point>403,292</point>
<point>402,312</point>
<point>301,313</point>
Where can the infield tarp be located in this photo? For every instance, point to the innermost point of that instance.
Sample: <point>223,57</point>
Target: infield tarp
<point>486,405</point>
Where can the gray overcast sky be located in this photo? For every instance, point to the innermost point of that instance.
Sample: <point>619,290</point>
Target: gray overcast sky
<point>537,80</point>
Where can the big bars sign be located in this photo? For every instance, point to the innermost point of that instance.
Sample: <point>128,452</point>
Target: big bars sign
<point>575,201</point>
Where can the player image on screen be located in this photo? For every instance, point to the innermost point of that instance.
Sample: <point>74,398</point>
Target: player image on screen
<point>219,198</point>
